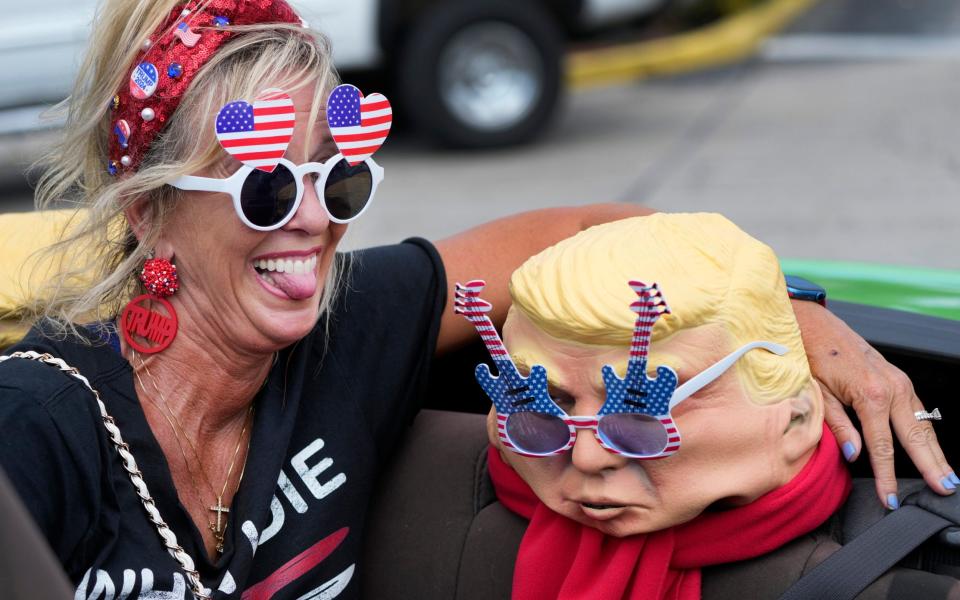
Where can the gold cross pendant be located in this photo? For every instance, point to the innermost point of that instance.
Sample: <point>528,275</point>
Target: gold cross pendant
<point>220,526</point>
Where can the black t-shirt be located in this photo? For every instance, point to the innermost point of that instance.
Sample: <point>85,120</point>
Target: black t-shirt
<point>332,409</point>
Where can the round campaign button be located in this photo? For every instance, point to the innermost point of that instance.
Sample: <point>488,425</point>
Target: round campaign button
<point>143,81</point>
<point>122,130</point>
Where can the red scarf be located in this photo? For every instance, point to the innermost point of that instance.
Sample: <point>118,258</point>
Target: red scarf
<point>560,558</point>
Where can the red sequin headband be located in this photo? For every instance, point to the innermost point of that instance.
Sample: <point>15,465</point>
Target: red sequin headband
<point>168,62</point>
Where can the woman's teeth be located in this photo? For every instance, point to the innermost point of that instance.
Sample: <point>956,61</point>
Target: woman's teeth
<point>287,265</point>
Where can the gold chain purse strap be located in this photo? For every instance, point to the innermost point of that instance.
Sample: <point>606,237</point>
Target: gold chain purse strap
<point>130,465</point>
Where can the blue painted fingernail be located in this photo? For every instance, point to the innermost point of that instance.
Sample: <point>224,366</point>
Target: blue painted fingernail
<point>945,482</point>
<point>849,450</point>
<point>953,477</point>
<point>892,502</point>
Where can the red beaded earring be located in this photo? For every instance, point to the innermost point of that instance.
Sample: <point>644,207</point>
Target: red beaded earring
<point>141,320</point>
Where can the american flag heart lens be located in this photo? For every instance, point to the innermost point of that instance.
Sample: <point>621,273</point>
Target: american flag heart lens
<point>634,434</point>
<point>537,433</point>
<point>257,134</point>
<point>359,125</point>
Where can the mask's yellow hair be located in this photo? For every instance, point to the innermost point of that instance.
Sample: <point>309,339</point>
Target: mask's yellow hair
<point>709,271</point>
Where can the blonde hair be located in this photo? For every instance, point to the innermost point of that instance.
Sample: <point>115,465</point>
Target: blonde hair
<point>709,271</point>
<point>97,255</point>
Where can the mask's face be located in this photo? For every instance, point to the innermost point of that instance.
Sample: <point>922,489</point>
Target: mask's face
<point>733,450</point>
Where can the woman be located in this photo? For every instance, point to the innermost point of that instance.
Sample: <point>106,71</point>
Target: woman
<point>256,425</point>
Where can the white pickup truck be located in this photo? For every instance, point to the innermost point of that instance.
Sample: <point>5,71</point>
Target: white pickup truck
<point>470,73</point>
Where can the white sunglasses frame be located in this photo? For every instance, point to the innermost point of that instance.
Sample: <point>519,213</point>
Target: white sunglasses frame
<point>233,185</point>
<point>689,388</point>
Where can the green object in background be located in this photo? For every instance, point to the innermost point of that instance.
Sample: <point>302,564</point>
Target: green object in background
<point>934,292</point>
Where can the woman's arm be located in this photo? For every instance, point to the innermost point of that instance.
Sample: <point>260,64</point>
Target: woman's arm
<point>494,250</point>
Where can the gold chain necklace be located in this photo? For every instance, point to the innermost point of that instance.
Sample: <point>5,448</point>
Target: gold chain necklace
<point>219,526</point>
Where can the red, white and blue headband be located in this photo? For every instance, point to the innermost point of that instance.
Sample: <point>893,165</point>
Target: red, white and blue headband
<point>168,62</point>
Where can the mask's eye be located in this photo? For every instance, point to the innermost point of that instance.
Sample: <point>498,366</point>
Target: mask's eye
<point>562,399</point>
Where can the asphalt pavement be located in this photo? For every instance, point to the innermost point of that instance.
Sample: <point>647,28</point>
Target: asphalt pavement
<point>847,154</point>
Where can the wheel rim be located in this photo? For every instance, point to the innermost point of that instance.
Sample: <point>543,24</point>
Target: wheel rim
<point>491,76</point>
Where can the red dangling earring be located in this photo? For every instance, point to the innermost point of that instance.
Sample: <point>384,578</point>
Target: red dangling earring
<point>141,320</point>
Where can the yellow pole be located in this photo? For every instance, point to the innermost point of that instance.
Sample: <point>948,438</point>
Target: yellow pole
<point>727,41</point>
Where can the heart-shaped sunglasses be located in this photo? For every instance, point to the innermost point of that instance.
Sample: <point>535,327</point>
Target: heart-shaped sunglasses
<point>267,201</point>
<point>267,189</point>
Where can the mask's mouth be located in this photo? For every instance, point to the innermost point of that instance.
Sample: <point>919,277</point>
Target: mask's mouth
<point>599,511</point>
<point>600,506</point>
<point>288,276</point>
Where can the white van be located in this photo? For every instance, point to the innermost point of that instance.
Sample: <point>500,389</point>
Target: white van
<point>471,73</point>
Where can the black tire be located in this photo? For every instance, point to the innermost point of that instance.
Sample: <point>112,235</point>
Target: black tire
<point>443,32</point>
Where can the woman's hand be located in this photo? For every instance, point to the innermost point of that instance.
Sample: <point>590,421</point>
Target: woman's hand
<point>852,373</point>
